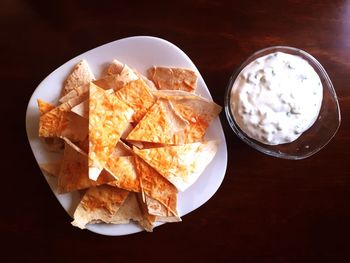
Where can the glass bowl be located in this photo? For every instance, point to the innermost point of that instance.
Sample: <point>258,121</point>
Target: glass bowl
<point>312,140</point>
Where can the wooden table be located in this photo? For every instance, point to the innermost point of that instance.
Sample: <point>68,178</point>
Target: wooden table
<point>266,210</point>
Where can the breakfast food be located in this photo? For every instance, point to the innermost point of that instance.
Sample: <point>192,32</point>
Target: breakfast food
<point>127,146</point>
<point>276,98</point>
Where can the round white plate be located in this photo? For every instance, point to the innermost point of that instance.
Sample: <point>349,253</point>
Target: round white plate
<point>140,52</point>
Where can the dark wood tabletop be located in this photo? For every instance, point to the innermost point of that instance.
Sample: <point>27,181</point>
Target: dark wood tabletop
<point>266,210</point>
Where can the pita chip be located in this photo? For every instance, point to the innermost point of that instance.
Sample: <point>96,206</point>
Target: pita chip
<point>116,81</point>
<point>137,95</point>
<point>116,67</point>
<point>52,168</point>
<point>99,204</point>
<point>160,125</point>
<point>108,118</point>
<point>73,173</point>
<point>80,75</point>
<point>82,109</point>
<point>44,107</point>
<point>129,210</point>
<point>78,92</point>
<point>122,168</point>
<point>180,164</point>
<point>148,220</point>
<point>157,187</point>
<point>162,214</point>
<point>59,123</point>
<point>166,78</point>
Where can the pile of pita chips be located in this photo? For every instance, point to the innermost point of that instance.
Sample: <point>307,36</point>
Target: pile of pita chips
<point>128,143</point>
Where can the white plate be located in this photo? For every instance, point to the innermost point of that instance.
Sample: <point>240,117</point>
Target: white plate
<point>139,52</point>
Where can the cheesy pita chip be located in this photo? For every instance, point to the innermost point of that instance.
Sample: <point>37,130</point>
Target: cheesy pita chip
<point>44,107</point>
<point>108,118</point>
<point>59,123</point>
<point>138,97</point>
<point>122,168</point>
<point>166,78</point>
<point>99,204</point>
<point>80,75</point>
<point>73,174</point>
<point>186,118</point>
<point>160,125</point>
<point>155,186</point>
<point>180,164</point>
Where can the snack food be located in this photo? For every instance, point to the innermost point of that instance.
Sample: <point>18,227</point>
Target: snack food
<point>114,172</point>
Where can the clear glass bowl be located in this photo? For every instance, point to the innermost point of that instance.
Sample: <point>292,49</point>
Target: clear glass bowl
<point>317,136</point>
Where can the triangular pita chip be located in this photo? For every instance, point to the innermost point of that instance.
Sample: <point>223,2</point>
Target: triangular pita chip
<point>148,220</point>
<point>73,173</point>
<point>116,81</point>
<point>137,95</point>
<point>162,214</point>
<point>80,75</point>
<point>180,164</point>
<point>156,186</point>
<point>166,78</point>
<point>44,107</point>
<point>160,125</point>
<point>108,118</point>
<point>52,168</point>
<point>99,204</point>
<point>78,92</point>
<point>116,67</point>
<point>58,123</point>
<point>122,168</point>
<point>82,109</point>
<point>177,118</point>
<point>129,210</point>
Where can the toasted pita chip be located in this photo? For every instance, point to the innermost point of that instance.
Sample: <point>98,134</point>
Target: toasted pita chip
<point>167,78</point>
<point>180,164</point>
<point>73,173</point>
<point>122,168</point>
<point>160,125</point>
<point>117,81</point>
<point>129,210</point>
<point>156,186</point>
<point>137,95</point>
<point>108,118</point>
<point>58,123</point>
<point>177,118</point>
<point>52,168</point>
<point>99,204</point>
<point>162,214</point>
<point>82,109</point>
<point>148,220</point>
<point>116,67</point>
<point>80,75</point>
<point>78,92</point>
<point>54,144</point>
<point>44,107</point>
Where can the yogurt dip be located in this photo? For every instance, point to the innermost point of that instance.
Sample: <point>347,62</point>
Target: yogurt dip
<point>276,98</point>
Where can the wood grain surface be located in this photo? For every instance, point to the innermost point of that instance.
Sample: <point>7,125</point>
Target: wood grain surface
<point>266,210</point>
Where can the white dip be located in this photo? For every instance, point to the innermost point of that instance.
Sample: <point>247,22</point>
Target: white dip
<point>276,98</point>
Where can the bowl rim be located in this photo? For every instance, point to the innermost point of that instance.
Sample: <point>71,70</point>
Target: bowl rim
<point>258,145</point>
